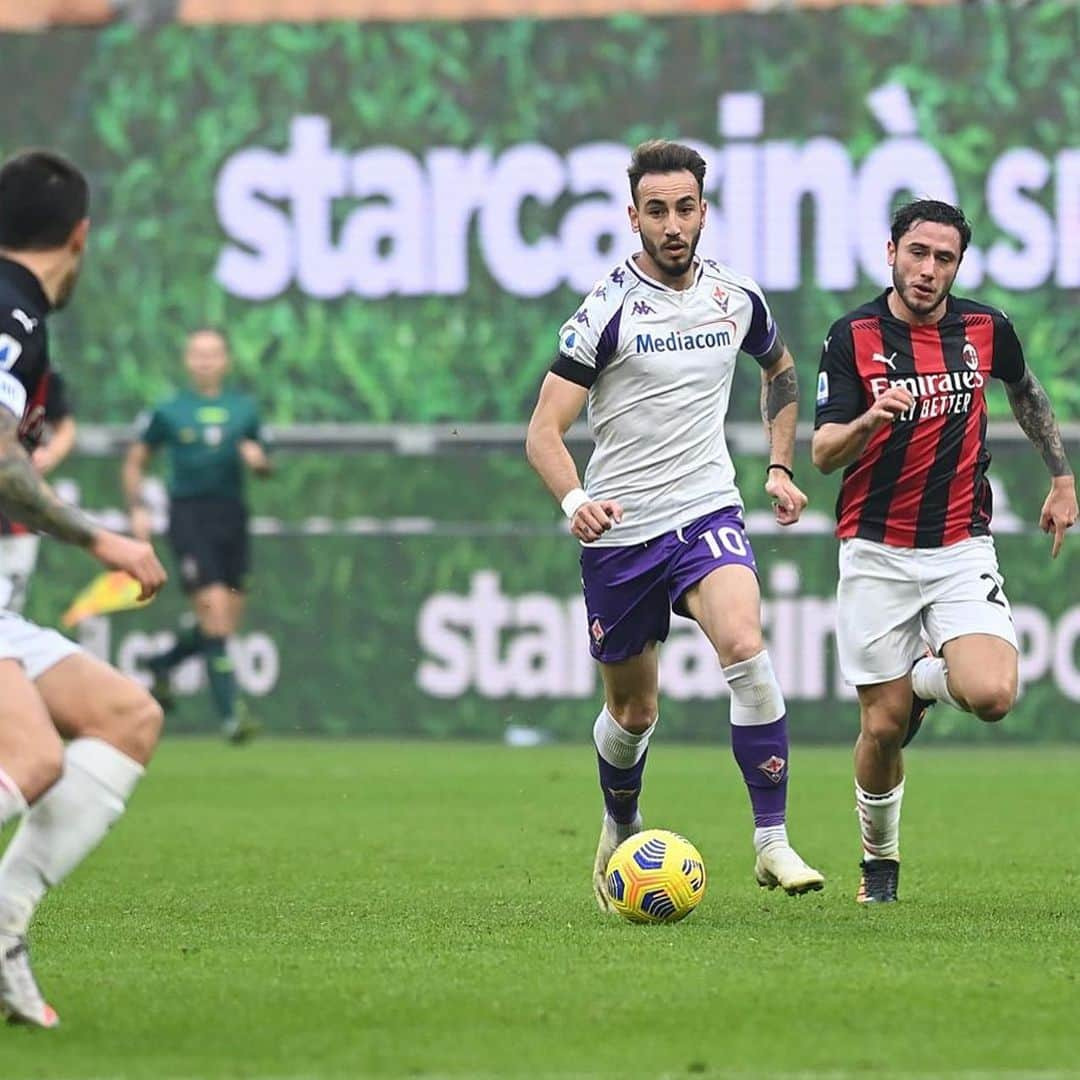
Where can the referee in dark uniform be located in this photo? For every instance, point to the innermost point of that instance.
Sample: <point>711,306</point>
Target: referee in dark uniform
<point>212,438</point>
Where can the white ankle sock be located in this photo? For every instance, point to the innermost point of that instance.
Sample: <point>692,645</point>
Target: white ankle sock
<point>767,836</point>
<point>615,744</point>
<point>930,680</point>
<point>64,826</point>
<point>879,821</point>
<point>11,799</point>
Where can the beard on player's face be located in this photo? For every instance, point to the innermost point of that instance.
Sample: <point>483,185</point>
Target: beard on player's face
<point>67,286</point>
<point>919,295</point>
<point>673,260</point>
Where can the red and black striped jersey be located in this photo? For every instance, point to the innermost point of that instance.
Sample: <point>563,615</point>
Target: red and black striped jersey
<point>28,387</point>
<point>921,481</point>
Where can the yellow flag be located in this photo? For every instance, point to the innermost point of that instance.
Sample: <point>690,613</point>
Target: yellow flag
<point>108,592</point>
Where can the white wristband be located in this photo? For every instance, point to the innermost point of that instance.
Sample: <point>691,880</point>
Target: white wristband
<point>573,501</point>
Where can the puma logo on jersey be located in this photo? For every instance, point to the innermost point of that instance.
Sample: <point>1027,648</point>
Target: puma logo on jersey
<point>888,361</point>
<point>27,322</point>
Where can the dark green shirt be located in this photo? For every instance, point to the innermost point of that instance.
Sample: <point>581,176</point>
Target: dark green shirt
<point>203,436</point>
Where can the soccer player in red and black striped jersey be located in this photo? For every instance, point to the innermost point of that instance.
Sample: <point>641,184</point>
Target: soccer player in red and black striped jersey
<point>901,409</point>
<point>68,795</point>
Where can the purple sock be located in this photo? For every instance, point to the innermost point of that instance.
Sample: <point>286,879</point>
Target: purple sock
<point>621,788</point>
<point>762,753</point>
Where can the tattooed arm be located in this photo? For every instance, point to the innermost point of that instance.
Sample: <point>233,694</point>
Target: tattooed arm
<point>1035,415</point>
<point>26,497</point>
<point>780,414</point>
<point>779,403</point>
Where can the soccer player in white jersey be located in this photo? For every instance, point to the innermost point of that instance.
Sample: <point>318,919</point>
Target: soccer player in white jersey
<point>652,352</point>
<point>50,690</point>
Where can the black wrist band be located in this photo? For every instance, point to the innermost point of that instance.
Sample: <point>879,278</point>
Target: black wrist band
<point>777,465</point>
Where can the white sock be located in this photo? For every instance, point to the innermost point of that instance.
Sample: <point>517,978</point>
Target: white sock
<point>879,821</point>
<point>615,744</point>
<point>64,826</point>
<point>11,799</point>
<point>767,836</point>
<point>756,697</point>
<point>930,680</point>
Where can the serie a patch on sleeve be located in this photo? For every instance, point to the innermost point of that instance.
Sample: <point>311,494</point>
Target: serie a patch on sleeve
<point>822,387</point>
<point>12,394</point>
<point>10,351</point>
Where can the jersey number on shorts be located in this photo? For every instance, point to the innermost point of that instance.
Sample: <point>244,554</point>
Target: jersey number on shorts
<point>725,537</point>
<point>994,595</point>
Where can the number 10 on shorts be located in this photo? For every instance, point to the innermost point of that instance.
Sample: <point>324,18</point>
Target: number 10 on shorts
<point>725,541</point>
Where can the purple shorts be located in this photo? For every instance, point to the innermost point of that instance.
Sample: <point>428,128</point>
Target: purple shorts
<point>631,591</point>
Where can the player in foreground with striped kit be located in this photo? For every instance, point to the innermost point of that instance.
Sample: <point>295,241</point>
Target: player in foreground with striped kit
<point>901,408</point>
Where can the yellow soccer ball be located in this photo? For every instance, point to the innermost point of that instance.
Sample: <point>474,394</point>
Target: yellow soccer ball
<point>655,877</point>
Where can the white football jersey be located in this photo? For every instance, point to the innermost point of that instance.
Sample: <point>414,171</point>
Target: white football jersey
<point>659,363</point>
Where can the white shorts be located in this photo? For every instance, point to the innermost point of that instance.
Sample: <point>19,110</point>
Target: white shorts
<point>35,647</point>
<point>18,557</point>
<point>892,601</point>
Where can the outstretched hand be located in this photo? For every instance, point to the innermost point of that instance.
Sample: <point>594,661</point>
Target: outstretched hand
<point>135,557</point>
<point>1059,512</point>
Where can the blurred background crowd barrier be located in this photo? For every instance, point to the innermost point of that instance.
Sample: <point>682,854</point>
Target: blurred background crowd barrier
<point>41,14</point>
<point>392,220</point>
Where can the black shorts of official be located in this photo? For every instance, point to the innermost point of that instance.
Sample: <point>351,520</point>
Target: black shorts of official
<point>209,537</point>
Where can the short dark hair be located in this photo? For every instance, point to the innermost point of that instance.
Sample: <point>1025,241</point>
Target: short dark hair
<point>941,213</point>
<point>662,156</point>
<point>43,196</point>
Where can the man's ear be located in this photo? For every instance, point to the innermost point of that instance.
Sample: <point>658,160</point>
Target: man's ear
<point>77,240</point>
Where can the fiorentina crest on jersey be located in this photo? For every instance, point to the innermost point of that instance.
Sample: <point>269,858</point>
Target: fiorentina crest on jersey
<point>597,631</point>
<point>773,768</point>
<point>722,299</point>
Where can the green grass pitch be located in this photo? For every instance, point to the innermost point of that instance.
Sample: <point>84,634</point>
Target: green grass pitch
<point>355,909</point>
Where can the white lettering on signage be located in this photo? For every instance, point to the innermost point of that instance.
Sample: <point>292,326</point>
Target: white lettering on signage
<point>536,646</point>
<point>384,221</point>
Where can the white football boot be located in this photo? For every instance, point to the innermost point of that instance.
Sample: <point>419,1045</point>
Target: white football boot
<point>20,999</point>
<point>779,865</point>
<point>612,834</point>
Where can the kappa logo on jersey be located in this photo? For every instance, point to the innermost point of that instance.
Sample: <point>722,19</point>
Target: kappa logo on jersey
<point>722,299</point>
<point>971,356</point>
<point>10,351</point>
<point>642,308</point>
<point>582,317</point>
<point>601,291</point>
<point>888,361</point>
<point>773,768</point>
<point>822,387</point>
<point>26,320</point>
<point>618,275</point>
